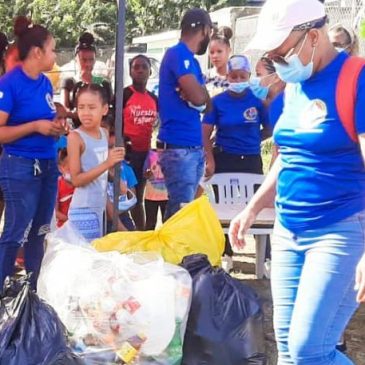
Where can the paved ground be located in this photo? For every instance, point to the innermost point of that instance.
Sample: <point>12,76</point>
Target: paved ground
<point>244,265</point>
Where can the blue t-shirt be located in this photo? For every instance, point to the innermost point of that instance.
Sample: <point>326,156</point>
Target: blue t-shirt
<point>322,179</point>
<point>238,121</point>
<point>180,124</point>
<point>127,175</point>
<point>27,100</point>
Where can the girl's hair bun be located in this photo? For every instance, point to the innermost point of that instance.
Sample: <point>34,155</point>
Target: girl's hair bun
<point>21,25</point>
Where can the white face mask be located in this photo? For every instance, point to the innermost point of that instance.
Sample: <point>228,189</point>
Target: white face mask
<point>126,202</point>
<point>342,49</point>
<point>294,71</point>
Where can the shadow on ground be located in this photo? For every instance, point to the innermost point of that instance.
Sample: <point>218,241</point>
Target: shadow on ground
<point>244,269</point>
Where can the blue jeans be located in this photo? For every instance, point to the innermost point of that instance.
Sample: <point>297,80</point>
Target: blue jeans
<point>182,169</point>
<point>313,278</point>
<point>29,205</point>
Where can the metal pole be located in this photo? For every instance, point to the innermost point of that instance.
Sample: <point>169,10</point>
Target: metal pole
<point>119,85</point>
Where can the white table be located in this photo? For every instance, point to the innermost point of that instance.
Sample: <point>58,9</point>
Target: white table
<point>262,228</point>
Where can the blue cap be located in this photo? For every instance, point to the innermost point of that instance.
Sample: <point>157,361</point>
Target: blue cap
<point>240,63</point>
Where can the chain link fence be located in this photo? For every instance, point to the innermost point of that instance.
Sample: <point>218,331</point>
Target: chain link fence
<point>347,12</point>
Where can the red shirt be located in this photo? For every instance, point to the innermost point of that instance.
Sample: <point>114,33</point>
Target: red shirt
<point>139,115</point>
<point>64,197</point>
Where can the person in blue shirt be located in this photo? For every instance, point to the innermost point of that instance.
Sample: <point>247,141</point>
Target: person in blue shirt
<point>28,166</point>
<point>240,121</point>
<point>318,259</point>
<point>182,97</point>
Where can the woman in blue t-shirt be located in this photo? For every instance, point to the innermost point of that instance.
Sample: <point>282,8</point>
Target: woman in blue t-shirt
<point>240,121</point>
<point>318,260</point>
<point>28,168</point>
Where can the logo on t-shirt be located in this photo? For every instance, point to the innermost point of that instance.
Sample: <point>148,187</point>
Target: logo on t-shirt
<point>1,94</point>
<point>187,64</point>
<point>50,102</point>
<point>250,115</point>
<point>142,116</point>
<point>313,115</point>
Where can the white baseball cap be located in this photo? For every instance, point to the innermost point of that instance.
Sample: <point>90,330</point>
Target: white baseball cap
<point>278,18</point>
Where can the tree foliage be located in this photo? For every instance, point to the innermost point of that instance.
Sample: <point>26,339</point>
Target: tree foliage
<point>68,18</point>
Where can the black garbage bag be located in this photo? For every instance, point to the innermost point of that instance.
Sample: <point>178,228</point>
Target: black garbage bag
<point>225,325</point>
<point>30,331</point>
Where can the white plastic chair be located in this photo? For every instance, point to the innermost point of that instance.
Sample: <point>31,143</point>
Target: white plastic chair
<point>229,193</point>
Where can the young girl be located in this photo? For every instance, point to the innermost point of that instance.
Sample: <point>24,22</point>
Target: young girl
<point>156,197</point>
<point>219,52</point>
<point>89,162</point>
<point>28,166</point>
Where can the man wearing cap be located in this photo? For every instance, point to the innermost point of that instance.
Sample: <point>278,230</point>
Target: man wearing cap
<point>318,261</point>
<point>182,97</point>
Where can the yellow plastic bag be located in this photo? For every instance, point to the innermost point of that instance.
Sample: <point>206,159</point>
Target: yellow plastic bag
<point>194,229</point>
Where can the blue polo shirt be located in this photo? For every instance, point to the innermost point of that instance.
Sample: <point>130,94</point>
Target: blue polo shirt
<point>180,124</point>
<point>322,180</point>
<point>27,100</point>
<point>238,121</point>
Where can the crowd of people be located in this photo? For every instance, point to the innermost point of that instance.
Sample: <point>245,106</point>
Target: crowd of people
<point>58,159</point>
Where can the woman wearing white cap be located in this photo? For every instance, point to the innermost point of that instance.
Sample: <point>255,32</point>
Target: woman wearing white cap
<point>318,261</point>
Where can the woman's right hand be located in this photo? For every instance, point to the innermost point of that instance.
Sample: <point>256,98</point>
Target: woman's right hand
<point>48,128</point>
<point>115,156</point>
<point>239,227</point>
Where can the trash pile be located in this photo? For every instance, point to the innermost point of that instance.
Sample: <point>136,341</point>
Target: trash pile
<point>109,308</point>
<point>118,309</point>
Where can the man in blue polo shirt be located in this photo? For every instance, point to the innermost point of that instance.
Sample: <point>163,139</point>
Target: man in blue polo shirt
<point>182,97</point>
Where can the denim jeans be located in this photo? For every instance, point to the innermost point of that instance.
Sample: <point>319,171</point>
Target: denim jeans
<point>313,278</point>
<point>182,169</point>
<point>29,205</point>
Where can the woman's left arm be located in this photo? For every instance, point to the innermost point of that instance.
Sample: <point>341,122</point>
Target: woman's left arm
<point>360,270</point>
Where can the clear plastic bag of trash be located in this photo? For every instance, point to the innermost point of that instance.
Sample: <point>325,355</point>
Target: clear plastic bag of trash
<point>117,308</point>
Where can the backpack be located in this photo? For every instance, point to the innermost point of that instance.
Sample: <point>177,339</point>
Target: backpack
<point>346,94</point>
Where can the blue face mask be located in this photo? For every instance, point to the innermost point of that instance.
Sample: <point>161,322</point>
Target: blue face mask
<point>342,49</point>
<point>259,90</point>
<point>294,71</point>
<point>238,87</point>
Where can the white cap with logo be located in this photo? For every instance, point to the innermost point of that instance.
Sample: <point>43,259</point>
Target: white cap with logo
<point>278,18</point>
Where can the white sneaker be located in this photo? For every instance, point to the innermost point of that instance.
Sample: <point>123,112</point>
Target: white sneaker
<point>227,263</point>
<point>267,269</point>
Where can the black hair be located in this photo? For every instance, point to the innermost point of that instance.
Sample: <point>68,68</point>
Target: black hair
<point>140,56</point>
<point>29,35</point>
<point>86,42</point>
<point>62,155</point>
<point>95,89</point>
<point>268,64</point>
<point>222,34</point>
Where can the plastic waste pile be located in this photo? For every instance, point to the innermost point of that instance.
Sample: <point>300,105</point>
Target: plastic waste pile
<point>118,309</point>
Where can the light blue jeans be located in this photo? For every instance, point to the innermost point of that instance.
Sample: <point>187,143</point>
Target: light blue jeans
<point>313,279</point>
<point>182,169</point>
